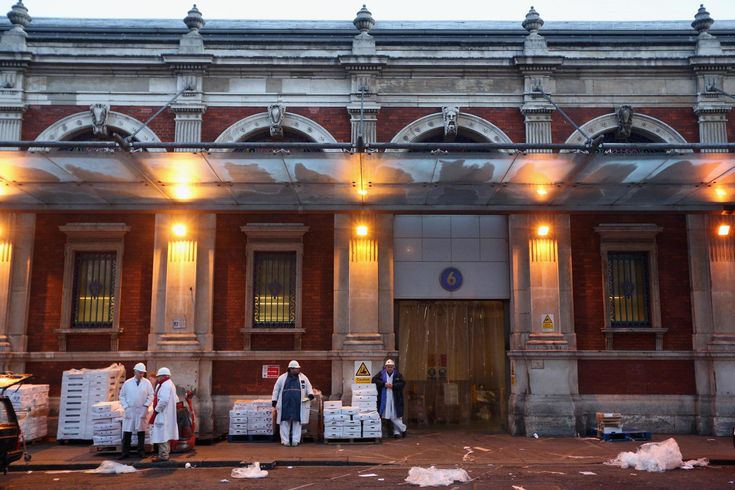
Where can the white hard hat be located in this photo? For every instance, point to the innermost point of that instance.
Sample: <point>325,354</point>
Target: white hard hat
<point>294,364</point>
<point>390,362</point>
<point>140,367</point>
<point>164,371</point>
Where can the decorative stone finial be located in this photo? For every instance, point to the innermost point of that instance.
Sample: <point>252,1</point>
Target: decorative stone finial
<point>533,21</point>
<point>194,20</point>
<point>702,21</point>
<point>364,20</point>
<point>18,15</point>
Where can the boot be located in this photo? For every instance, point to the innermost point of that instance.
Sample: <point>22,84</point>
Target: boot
<point>141,444</point>
<point>127,437</point>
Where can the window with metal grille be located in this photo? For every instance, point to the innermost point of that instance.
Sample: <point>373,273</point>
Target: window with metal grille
<point>274,289</point>
<point>94,290</point>
<point>627,275</point>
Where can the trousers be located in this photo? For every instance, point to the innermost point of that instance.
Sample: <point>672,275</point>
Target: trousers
<point>290,432</point>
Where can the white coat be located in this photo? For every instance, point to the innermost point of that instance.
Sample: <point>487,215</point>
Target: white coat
<point>305,392</point>
<point>165,427</point>
<point>135,399</point>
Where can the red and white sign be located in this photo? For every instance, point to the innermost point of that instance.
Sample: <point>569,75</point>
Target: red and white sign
<point>271,371</point>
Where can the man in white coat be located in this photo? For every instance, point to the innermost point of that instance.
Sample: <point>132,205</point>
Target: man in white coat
<point>163,418</point>
<point>292,397</point>
<point>136,396</point>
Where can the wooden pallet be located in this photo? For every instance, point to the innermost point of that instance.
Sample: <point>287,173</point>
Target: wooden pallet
<point>117,449</point>
<point>355,440</point>
<point>625,436</point>
<point>250,438</point>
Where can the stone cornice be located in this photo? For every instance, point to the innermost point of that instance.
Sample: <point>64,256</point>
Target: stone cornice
<point>17,60</point>
<point>712,63</point>
<point>538,63</point>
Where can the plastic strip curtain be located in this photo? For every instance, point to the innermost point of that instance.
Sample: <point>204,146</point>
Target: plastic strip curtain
<point>452,354</point>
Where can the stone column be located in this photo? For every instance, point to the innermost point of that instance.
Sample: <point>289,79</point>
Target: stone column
<point>181,310</point>
<point>543,386</point>
<point>363,296</point>
<point>17,233</point>
<point>712,277</point>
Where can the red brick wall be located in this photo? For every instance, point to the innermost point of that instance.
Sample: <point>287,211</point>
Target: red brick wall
<point>48,275</point>
<point>673,276</point>
<point>37,118</point>
<point>336,120</point>
<point>682,119</point>
<point>317,285</point>
<point>245,377</point>
<point>393,119</point>
<point>636,377</point>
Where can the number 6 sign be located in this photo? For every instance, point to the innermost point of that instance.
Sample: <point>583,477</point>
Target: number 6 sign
<point>451,279</point>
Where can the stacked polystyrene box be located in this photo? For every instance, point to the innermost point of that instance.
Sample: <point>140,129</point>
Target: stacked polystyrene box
<point>107,423</point>
<point>31,407</point>
<point>365,397</point>
<point>252,418</point>
<point>349,422</point>
<point>80,389</point>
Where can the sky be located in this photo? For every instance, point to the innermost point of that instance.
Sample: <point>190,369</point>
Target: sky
<point>601,10</point>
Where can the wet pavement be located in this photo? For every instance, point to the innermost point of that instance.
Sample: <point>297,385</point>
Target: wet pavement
<point>421,447</point>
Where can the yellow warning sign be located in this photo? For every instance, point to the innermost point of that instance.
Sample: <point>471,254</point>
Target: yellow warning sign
<point>362,370</point>
<point>548,322</point>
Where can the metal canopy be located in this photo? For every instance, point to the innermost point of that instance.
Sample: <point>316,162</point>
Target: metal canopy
<point>393,180</point>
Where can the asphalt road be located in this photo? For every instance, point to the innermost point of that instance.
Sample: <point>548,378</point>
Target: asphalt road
<point>526,477</point>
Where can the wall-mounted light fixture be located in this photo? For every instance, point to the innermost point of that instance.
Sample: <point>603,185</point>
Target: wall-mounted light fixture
<point>543,230</point>
<point>362,230</point>
<point>179,230</point>
<point>541,191</point>
<point>182,192</point>
<point>723,229</point>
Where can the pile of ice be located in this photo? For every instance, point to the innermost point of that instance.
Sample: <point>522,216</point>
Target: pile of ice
<point>433,477</point>
<point>656,457</point>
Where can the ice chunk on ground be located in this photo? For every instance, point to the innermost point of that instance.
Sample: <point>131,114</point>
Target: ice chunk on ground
<point>112,467</point>
<point>252,471</point>
<point>653,456</point>
<point>433,477</point>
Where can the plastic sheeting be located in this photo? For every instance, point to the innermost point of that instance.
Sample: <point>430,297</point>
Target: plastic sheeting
<point>112,467</point>
<point>434,477</point>
<point>452,354</point>
<point>252,471</point>
<point>656,457</point>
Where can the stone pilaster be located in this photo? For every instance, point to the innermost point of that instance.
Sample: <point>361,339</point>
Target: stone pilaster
<point>543,385</point>
<point>538,124</point>
<point>188,118</point>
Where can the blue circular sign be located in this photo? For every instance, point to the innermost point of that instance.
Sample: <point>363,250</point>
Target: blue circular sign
<point>451,279</point>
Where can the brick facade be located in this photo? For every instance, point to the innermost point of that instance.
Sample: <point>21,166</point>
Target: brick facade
<point>636,377</point>
<point>48,275</point>
<point>673,276</point>
<point>241,377</point>
<point>230,277</point>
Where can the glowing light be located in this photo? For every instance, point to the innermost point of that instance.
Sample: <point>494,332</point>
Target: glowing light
<point>362,192</point>
<point>179,230</point>
<point>543,230</point>
<point>720,192</point>
<point>361,230</point>
<point>541,191</point>
<point>182,192</point>
<point>723,230</point>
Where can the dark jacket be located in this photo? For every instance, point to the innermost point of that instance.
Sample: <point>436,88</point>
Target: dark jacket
<point>398,384</point>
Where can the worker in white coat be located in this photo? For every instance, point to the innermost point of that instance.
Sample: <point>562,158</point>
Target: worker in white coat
<point>136,396</point>
<point>164,428</point>
<point>292,397</point>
